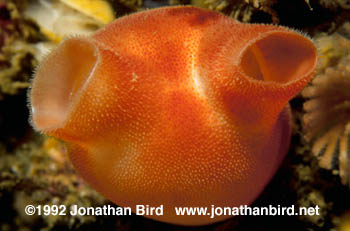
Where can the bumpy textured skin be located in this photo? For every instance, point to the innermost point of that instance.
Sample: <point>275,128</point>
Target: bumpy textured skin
<point>168,115</point>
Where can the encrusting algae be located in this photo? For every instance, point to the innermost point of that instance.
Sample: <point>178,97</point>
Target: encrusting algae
<point>327,118</point>
<point>39,173</point>
<point>16,52</point>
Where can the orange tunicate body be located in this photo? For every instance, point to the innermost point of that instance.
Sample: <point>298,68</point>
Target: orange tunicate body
<point>176,106</point>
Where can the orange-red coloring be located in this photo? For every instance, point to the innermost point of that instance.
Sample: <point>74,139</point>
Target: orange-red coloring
<point>177,106</point>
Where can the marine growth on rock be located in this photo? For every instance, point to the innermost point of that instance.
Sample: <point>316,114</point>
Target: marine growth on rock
<point>327,118</point>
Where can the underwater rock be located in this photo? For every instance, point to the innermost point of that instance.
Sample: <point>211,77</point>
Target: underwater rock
<point>39,173</point>
<point>17,55</point>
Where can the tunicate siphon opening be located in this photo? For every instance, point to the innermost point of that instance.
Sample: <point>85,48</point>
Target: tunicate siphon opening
<point>59,80</point>
<point>279,57</point>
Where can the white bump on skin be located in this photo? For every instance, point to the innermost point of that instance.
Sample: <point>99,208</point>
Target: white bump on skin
<point>197,82</point>
<point>134,77</point>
